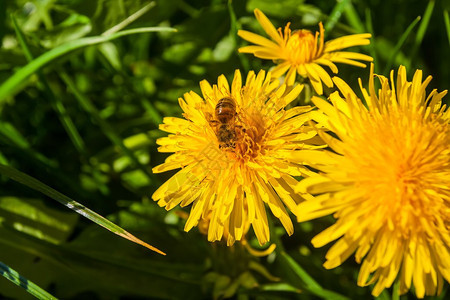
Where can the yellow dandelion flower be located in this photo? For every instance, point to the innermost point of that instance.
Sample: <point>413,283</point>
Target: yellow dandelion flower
<point>387,183</point>
<point>302,52</point>
<point>234,147</point>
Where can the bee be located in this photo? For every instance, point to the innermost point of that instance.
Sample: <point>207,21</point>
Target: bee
<point>224,123</point>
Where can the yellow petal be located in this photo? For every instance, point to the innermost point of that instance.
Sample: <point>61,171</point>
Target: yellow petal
<point>347,41</point>
<point>324,76</point>
<point>290,76</point>
<point>268,27</point>
<point>279,70</point>
<point>257,39</point>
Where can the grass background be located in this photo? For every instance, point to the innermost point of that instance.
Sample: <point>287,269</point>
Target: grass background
<point>87,122</point>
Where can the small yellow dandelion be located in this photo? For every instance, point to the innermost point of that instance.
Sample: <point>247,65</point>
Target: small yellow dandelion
<point>387,181</point>
<point>234,147</point>
<point>303,52</point>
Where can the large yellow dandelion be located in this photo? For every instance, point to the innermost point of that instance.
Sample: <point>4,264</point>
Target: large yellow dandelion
<point>387,181</point>
<point>303,52</point>
<point>235,147</point>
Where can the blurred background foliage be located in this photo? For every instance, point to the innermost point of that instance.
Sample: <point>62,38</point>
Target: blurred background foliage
<point>86,125</point>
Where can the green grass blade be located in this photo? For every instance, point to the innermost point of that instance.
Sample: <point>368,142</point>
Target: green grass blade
<point>421,31</point>
<point>105,126</point>
<point>130,19</point>
<point>335,15</point>
<point>56,103</point>
<point>22,41</point>
<point>353,18</point>
<point>424,23</point>
<point>10,86</point>
<point>35,184</point>
<point>447,25</point>
<point>399,44</point>
<point>301,273</point>
<point>372,46</point>
<point>13,276</point>
<point>311,285</point>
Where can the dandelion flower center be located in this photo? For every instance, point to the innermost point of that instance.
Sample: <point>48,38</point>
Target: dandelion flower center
<point>300,47</point>
<point>399,175</point>
<point>250,143</point>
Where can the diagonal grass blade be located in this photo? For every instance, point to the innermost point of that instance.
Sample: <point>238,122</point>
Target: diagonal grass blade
<point>130,19</point>
<point>421,32</point>
<point>24,283</point>
<point>372,46</point>
<point>35,184</point>
<point>335,15</point>
<point>10,86</point>
<point>353,18</point>
<point>311,285</point>
<point>399,44</point>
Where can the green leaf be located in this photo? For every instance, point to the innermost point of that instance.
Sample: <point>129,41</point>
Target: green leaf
<point>224,49</point>
<point>11,85</point>
<point>180,53</point>
<point>109,50</point>
<point>72,204</point>
<point>136,179</point>
<point>24,283</point>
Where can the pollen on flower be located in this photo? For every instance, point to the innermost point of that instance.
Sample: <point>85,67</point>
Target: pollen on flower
<point>251,136</point>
